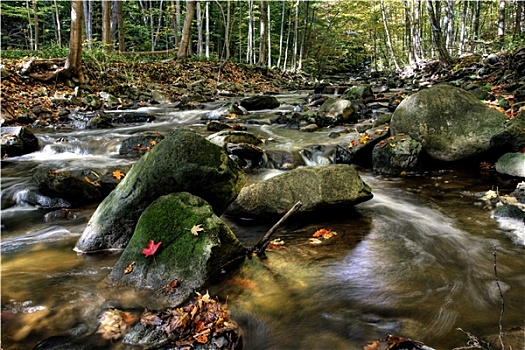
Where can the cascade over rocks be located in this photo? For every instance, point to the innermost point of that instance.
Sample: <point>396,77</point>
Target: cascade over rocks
<point>182,162</point>
<point>319,188</point>
<point>193,258</point>
<point>451,123</point>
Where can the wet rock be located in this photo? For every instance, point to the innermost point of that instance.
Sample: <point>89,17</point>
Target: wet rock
<point>132,117</point>
<point>247,155</point>
<point>320,188</point>
<point>256,103</point>
<point>75,186</point>
<point>109,100</point>
<point>182,162</point>
<point>509,211</point>
<point>233,136</point>
<point>136,146</point>
<point>17,141</point>
<point>450,122</point>
<point>359,92</point>
<point>399,155</point>
<point>59,215</point>
<point>511,164</point>
<point>35,198</point>
<point>193,258</point>
<point>92,102</point>
<point>340,110</point>
<point>225,111</point>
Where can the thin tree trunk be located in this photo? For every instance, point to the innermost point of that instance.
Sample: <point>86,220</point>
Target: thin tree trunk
<point>159,25</point>
<point>37,29</point>
<point>199,29</point>
<point>269,21</point>
<point>106,25</point>
<point>186,31</point>
<point>207,30</point>
<point>387,32</point>
<point>501,19</point>
<point>178,21</point>
<point>287,47</point>
<point>249,46</point>
<point>295,36</point>
<point>450,25</point>
<point>517,22</point>
<point>59,27</point>
<point>263,33</point>
<point>281,36</point>
<point>444,56</point>
<point>463,27</point>
<point>408,33</point>
<point>120,25</point>
<point>87,6</point>
<point>30,26</point>
<point>227,34</point>
<point>303,35</point>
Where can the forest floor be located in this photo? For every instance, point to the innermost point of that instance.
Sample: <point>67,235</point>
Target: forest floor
<point>25,100</point>
<point>21,95</point>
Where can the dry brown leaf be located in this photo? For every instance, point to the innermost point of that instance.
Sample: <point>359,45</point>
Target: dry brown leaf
<point>117,174</point>
<point>196,229</point>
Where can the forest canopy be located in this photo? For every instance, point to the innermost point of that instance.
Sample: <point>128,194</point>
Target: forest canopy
<point>313,36</point>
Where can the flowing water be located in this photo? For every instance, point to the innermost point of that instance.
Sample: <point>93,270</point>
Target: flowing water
<point>416,260</point>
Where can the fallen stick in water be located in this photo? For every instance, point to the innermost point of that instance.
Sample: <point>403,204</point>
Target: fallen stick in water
<point>260,247</point>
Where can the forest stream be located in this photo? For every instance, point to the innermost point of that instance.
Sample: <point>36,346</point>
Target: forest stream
<point>415,261</point>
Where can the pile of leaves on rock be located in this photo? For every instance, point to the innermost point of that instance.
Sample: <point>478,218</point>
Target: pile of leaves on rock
<point>202,321</point>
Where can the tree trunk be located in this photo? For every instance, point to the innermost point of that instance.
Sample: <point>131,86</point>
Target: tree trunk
<point>30,26</point>
<point>37,29</point>
<point>198,11</point>
<point>444,56</point>
<point>186,30</point>
<point>88,21</point>
<point>73,64</point>
<point>120,24</point>
<point>263,34</point>
<point>281,36</point>
<point>59,27</point>
<point>106,25</point>
<point>295,36</point>
<point>517,22</point>
<point>463,28</point>
<point>388,37</point>
<point>227,34</point>
<point>207,30</point>
<point>501,19</point>
<point>450,25</point>
<point>303,35</point>
<point>269,21</point>
<point>249,46</point>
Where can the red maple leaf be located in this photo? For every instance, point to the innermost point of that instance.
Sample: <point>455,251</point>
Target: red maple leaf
<point>151,249</point>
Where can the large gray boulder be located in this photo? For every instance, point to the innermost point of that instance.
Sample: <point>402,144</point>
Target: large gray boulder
<point>182,162</point>
<point>451,123</point>
<point>192,258</point>
<point>319,188</point>
<point>511,164</point>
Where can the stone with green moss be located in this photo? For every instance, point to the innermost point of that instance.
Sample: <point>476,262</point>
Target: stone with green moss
<point>451,123</point>
<point>193,259</point>
<point>182,162</point>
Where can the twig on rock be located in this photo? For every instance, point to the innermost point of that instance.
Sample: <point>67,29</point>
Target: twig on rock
<point>260,247</point>
<point>502,302</point>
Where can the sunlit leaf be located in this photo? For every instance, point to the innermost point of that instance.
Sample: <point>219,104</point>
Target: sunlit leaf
<point>117,174</point>
<point>196,229</point>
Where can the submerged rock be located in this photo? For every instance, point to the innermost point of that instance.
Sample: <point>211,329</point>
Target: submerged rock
<point>182,162</point>
<point>319,188</point>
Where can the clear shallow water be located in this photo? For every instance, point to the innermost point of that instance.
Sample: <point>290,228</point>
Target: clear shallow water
<point>414,261</point>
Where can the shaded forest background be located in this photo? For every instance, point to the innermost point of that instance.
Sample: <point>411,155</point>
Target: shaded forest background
<point>318,37</point>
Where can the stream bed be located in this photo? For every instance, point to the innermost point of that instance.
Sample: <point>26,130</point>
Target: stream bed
<point>415,261</point>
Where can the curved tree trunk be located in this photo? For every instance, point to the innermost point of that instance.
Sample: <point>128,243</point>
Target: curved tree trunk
<point>444,56</point>
<point>186,31</point>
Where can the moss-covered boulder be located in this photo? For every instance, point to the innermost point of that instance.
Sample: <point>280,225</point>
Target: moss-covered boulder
<point>182,162</point>
<point>451,123</point>
<point>321,189</point>
<point>192,258</point>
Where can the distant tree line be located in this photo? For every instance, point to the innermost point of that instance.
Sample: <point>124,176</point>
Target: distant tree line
<point>320,36</point>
